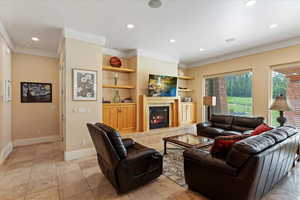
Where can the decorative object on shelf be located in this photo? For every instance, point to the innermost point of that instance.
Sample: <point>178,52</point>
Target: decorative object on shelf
<point>116,97</point>
<point>84,85</point>
<point>182,88</point>
<point>7,92</point>
<point>105,101</point>
<point>281,104</point>
<point>115,61</point>
<point>209,101</point>
<point>116,78</point>
<point>186,99</point>
<point>127,100</point>
<point>36,92</point>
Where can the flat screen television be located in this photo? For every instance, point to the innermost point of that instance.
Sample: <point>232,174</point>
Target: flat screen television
<point>162,86</point>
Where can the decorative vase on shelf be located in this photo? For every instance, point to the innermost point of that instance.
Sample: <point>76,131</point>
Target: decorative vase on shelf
<point>116,79</point>
<point>116,97</point>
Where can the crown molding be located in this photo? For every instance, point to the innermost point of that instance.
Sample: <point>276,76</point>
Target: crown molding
<point>158,56</point>
<point>256,50</point>
<point>115,52</point>
<point>5,36</point>
<point>86,37</point>
<point>35,52</point>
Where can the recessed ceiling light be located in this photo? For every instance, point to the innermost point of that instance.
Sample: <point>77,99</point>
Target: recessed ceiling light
<point>250,3</point>
<point>273,26</point>
<point>230,40</point>
<point>35,39</point>
<point>172,40</point>
<point>201,49</point>
<point>130,26</point>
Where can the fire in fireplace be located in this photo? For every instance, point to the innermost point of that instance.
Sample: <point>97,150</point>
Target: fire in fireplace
<point>159,117</point>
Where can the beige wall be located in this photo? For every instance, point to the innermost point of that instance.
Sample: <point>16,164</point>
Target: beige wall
<point>260,64</point>
<point>86,56</point>
<point>5,107</point>
<point>34,120</point>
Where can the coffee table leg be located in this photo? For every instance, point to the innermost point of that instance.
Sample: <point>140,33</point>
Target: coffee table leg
<point>165,147</point>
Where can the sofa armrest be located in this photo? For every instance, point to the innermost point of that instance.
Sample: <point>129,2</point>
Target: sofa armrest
<point>140,155</point>
<point>128,142</point>
<point>205,161</point>
<point>203,125</point>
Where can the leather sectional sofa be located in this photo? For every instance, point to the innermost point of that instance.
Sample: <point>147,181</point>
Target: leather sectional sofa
<point>223,125</point>
<point>251,168</point>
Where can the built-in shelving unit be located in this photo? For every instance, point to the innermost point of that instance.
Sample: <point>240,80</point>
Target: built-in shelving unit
<point>118,86</point>
<point>186,77</point>
<point>185,90</point>
<point>118,69</point>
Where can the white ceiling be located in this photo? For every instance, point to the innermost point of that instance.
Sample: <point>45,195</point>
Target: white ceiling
<point>194,24</point>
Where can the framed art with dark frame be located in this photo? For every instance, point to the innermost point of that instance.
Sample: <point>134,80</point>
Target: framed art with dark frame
<point>32,92</point>
<point>84,85</point>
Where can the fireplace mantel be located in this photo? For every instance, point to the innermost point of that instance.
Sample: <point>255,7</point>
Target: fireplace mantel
<point>146,102</point>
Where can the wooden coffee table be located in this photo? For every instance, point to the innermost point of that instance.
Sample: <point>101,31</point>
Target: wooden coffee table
<point>187,140</point>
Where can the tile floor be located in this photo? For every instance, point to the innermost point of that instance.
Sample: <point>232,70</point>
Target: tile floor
<point>38,172</point>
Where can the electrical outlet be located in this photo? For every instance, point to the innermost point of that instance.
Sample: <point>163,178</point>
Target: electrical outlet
<point>83,143</point>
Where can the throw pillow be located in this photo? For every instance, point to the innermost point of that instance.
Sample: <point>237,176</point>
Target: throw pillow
<point>223,144</point>
<point>261,129</point>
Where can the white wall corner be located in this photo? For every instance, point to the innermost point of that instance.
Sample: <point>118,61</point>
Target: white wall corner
<point>72,155</point>
<point>86,37</point>
<point>247,52</point>
<point>30,141</point>
<point>35,52</point>
<point>5,36</point>
<point>5,152</point>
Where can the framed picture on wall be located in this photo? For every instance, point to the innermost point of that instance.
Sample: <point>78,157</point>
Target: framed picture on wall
<point>7,95</point>
<point>84,85</point>
<point>32,92</point>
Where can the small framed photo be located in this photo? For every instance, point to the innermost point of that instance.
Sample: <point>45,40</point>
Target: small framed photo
<point>84,85</point>
<point>32,92</point>
<point>7,95</point>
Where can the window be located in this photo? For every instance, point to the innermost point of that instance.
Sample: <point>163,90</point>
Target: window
<point>233,93</point>
<point>286,81</point>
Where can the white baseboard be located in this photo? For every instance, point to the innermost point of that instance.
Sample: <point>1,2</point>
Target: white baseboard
<point>24,142</point>
<point>5,152</point>
<point>71,155</point>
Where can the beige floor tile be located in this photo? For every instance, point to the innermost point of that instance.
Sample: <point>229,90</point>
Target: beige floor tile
<point>42,184</point>
<point>83,196</point>
<point>77,187</point>
<point>51,194</point>
<point>66,167</point>
<point>13,193</point>
<point>71,177</point>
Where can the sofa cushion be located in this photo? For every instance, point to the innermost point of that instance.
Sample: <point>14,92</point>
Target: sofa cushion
<point>115,138</point>
<point>222,121</point>
<point>229,133</point>
<point>242,124</point>
<point>223,144</point>
<point>212,131</point>
<point>261,129</point>
<point>242,150</point>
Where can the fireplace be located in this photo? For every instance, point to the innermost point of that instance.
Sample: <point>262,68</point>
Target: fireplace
<point>158,117</point>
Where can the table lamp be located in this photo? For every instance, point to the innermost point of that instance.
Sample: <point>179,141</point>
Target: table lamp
<point>209,101</point>
<point>281,104</point>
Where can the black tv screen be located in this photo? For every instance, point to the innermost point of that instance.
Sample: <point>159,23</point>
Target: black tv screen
<point>162,86</point>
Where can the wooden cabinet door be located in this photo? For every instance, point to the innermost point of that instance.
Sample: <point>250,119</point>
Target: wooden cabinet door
<point>110,116</point>
<point>127,118</point>
<point>187,113</point>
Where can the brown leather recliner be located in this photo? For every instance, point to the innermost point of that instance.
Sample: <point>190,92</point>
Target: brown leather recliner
<point>251,169</point>
<point>124,162</point>
<point>223,125</point>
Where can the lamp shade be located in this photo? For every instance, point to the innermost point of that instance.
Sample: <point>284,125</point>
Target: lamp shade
<point>209,101</point>
<point>280,103</point>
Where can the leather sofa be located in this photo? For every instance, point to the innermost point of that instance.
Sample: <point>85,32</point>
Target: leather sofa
<point>251,169</point>
<point>223,125</point>
<point>125,163</point>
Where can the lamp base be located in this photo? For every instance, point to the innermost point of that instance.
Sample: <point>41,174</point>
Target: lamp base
<point>281,119</point>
